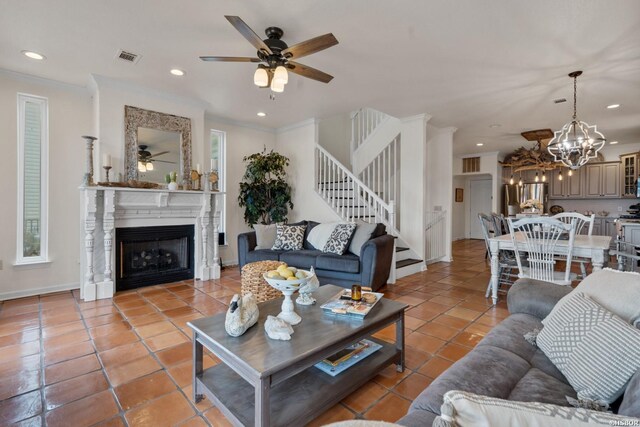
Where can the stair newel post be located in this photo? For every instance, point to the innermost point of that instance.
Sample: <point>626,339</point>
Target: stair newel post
<point>392,214</point>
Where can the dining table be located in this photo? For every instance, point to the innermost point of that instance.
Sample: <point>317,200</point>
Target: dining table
<point>595,248</point>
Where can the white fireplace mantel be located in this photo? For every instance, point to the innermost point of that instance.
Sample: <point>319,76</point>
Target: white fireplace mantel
<point>104,209</point>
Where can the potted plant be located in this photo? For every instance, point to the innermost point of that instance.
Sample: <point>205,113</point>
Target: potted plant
<point>264,192</point>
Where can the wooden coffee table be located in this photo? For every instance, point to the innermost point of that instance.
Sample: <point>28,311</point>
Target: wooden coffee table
<point>264,382</point>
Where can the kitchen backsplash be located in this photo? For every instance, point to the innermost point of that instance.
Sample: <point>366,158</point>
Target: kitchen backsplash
<point>596,205</point>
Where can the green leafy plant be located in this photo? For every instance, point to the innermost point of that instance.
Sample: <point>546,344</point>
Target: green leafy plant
<point>264,193</point>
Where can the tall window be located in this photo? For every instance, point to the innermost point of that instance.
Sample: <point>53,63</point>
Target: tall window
<point>218,163</point>
<point>33,141</point>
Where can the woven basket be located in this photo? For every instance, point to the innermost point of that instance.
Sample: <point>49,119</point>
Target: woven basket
<point>252,280</point>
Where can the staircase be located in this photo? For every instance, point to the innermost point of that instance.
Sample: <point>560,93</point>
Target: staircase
<point>370,192</point>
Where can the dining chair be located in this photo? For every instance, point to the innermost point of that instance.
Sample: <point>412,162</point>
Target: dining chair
<point>582,222</point>
<point>627,253</point>
<point>539,238</point>
<point>506,265</point>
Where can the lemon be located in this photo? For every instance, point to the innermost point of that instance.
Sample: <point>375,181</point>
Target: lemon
<point>272,274</point>
<point>293,269</point>
<point>301,274</point>
<point>292,278</point>
<point>286,273</point>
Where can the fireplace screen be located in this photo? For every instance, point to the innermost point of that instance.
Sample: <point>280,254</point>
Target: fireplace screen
<point>153,255</point>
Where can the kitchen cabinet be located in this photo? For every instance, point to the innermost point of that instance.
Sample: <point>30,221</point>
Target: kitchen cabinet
<point>602,180</point>
<point>571,187</point>
<point>629,172</point>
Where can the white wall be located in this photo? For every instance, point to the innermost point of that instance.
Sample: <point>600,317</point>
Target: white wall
<point>69,118</point>
<point>334,135</point>
<point>297,142</point>
<point>241,141</point>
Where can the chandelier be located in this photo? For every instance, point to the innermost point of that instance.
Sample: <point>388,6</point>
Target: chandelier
<point>577,142</point>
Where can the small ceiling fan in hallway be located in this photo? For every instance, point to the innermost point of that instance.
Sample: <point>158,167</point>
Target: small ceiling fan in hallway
<point>276,57</point>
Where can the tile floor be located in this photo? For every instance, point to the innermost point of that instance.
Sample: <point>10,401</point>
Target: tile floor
<point>127,361</point>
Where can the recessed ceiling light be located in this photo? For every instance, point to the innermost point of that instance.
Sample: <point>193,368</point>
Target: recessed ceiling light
<point>613,142</point>
<point>495,125</point>
<point>177,72</point>
<point>261,114</point>
<point>33,55</point>
<point>479,144</point>
<point>612,106</point>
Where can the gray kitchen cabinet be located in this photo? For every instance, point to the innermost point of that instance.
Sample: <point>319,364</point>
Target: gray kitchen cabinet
<point>598,227</point>
<point>569,188</point>
<point>602,180</point>
<point>629,171</point>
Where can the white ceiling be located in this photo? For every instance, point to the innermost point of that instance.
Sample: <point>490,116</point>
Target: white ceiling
<point>467,63</point>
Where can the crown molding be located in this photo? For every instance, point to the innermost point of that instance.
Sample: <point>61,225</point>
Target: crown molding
<point>312,121</point>
<point>238,123</point>
<point>30,78</point>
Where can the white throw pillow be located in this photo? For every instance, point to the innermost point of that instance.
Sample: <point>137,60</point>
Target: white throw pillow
<point>617,291</point>
<point>596,350</point>
<point>463,409</point>
<point>265,235</point>
<point>319,235</point>
<point>363,233</point>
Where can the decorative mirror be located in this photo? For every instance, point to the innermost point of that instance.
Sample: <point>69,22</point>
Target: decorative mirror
<point>156,144</point>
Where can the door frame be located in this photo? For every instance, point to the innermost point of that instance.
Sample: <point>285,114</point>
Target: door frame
<point>489,179</point>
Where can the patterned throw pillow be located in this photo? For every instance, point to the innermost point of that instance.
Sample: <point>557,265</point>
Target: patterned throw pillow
<point>339,240</point>
<point>463,409</point>
<point>597,351</point>
<point>289,237</point>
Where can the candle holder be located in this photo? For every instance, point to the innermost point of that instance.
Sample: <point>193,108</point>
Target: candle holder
<point>106,171</point>
<point>87,179</point>
<point>196,180</point>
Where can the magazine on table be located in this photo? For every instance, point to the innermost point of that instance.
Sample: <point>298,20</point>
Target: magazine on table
<point>347,357</point>
<point>342,304</point>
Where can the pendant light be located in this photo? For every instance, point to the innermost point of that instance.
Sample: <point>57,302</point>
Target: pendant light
<point>281,75</point>
<point>544,176</point>
<point>577,142</point>
<point>560,176</point>
<point>570,172</point>
<point>261,77</point>
<point>537,178</point>
<point>149,166</point>
<point>276,86</point>
<point>520,183</point>
<point>142,167</point>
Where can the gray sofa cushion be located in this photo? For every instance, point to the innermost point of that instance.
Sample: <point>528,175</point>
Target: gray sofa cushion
<point>630,405</point>
<point>263,255</point>
<point>538,386</point>
<point>347,263</point>
<point>509,334</point>
<point>304,258</point>
<point>535,297</point>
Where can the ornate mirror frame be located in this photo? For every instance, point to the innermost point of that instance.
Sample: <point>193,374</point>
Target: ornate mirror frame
<point>134,118</point>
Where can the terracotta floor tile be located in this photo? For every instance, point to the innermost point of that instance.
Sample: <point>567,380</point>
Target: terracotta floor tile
<point>18,383</point>
<point>70,369</point>
<point>76,388</point>
<point>167,340</point>
<point>146,319</point>
<point>412,301</point>
<point>412,386</point>
<point>84,412</point>
<point>435,366</point>
<point>123,354</point>
<point>468,339</point>
<point>27,363</point>
<point>389,377</point>
<point>413,323</point>
<point>203,405</point>
<point>110,328</point>
<point>16,351</point>
<point>175,355</point>
<point>67,352</point>
<point>31,422</point>
<point>66,339</point>
<point>179,312</point>
<point>414,358</point>
<point>103,320</point>
<point>333,415</point>
<point>391,408</point>
<point>138,311</point>
<point>20,407</point>
<point>169,304</point>
<point>121,374</point>
<point>439,331</point>
<point>454,352</point>
<point>476,328</point>
<point>62,329</point>
<point>116,421</point>
<point>107,342</point>
<point>144,389</point>
<point>167,410</point>
<point>194,422</point>
<point>464,313</point>
<point>99,311</point>
<point>365,396</point>
<point>20,338</point>
<point>153,329</point>
<point>59,319</point>
<point>216,419</point>
<point>424,342</point>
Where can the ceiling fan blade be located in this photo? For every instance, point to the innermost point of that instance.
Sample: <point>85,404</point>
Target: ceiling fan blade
<point>310,46</point>
<point>163,161</point>
<point>158,154</point>
<point>229,59</point>
<point>248,33</point>
<point>311,73</point>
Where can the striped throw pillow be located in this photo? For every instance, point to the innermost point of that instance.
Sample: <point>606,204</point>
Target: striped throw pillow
<point>597,351</point>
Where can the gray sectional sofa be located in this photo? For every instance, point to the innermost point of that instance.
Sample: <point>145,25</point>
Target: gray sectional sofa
<point>369,268</point>
<point>506,366</point>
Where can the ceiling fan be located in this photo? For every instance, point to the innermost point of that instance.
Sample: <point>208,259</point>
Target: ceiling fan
<point>276,57</point>
<point>146,159</point>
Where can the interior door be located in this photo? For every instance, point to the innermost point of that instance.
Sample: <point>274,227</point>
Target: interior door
<point>479,202</point>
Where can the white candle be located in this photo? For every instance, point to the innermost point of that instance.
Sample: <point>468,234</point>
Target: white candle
<point>198,168</point>
<point>214,164</point>
<point>106,160</point>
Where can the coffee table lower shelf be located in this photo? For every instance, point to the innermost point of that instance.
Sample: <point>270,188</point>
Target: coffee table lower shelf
<point>296,400</point>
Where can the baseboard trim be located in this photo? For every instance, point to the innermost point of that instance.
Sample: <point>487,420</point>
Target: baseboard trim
<point>39,291</point>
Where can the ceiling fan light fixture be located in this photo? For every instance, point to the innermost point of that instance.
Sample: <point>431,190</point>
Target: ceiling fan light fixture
<point>276,86</point>
<point>149,166</point>
<point>261,77</point>
<point>281,75</point>
<point>142,167</point>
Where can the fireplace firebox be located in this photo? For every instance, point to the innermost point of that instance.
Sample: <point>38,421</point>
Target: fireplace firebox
<point>153,255</point>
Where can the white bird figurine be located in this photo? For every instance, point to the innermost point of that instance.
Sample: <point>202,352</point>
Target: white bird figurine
<point>241,315</point>
<point>307,289</point>
<point>277,329</point>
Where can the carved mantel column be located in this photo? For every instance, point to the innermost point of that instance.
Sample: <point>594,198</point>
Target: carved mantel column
<point>89,289</point>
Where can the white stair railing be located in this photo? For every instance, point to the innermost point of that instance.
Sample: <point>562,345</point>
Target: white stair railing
<point>349,196</point>
<point>382,175</point>
<point>363,123</point>
<point>435,235</point>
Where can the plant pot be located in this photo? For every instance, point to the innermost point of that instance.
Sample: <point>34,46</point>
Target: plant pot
<point>172,186</point>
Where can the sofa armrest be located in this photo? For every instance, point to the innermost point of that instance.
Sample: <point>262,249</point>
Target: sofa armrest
<point>246,243</point>
<point>375,261</point>
<point>535,297</point>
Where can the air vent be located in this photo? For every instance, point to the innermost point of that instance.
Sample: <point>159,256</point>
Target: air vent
<point>470,164</point>
<point>559,100</point>
<point>128,56</point>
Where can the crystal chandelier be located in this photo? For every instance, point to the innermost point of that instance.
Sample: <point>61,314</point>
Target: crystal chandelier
<point>577,142</point>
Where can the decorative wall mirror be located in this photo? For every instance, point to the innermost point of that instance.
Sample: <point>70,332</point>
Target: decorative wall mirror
<point>156,144</point>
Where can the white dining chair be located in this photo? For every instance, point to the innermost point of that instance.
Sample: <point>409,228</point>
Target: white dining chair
<point>582,222</point>
<point>539,238</point>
